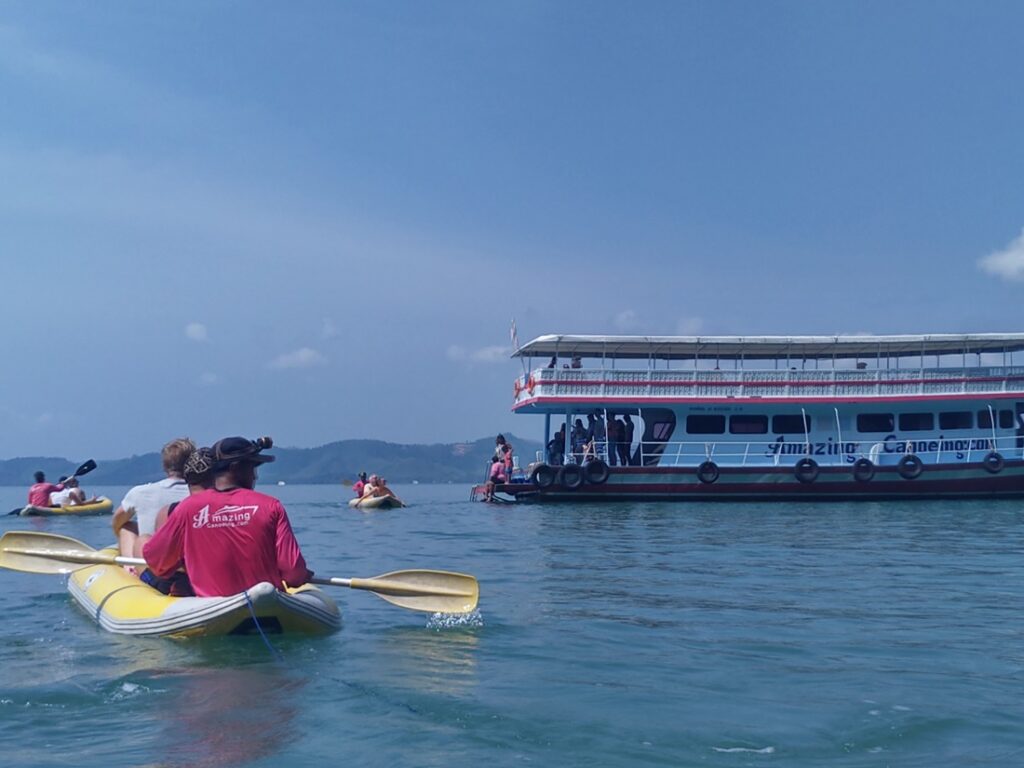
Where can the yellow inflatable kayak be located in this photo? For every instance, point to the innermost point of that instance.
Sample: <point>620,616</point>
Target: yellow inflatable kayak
<point>122,604</point>
<point>376,502</point>
<point>102,506</point>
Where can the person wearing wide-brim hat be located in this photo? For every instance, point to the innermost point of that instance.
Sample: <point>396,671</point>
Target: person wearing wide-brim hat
<point>230,537</point>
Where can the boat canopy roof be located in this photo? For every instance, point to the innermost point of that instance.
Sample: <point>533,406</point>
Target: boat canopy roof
<point>768,347</point>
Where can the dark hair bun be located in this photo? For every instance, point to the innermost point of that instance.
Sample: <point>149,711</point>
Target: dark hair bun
<point>264,443</point>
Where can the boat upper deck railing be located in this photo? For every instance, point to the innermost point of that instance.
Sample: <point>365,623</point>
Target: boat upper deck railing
<point>624,385</point>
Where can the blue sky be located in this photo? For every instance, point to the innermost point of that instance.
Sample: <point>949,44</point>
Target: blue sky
<point>315,220</point>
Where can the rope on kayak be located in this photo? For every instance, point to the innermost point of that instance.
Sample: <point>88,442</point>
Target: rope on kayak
<point>252,610</point>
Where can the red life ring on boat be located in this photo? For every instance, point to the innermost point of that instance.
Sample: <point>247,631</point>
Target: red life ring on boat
<point>530,384</point>
<point>517,388</point>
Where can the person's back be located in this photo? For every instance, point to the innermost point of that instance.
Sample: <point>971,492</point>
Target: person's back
<point>144,502</point>
<point>39,492</point>
<point>230,540</point>
<point>359,485</point>
<point>232,537</point>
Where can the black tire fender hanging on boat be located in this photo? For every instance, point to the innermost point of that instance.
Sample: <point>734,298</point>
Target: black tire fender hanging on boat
<point>544,476</point>
<point>806,470</point>
<point>993,462</point>
<point>708,472</point>
<point>596,471</point>
<point>910,467</point>
<point>863,470</point>
<point>570,477</point>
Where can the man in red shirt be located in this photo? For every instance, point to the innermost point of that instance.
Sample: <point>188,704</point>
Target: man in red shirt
<point>39,494</point>
<point>230,538</point>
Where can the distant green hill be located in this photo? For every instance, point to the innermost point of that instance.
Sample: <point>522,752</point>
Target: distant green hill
<point>331,463</point>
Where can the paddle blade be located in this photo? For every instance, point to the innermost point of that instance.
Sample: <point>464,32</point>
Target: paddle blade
<point>49,553</point>
<point>85,469</point>
<point>420,590</point>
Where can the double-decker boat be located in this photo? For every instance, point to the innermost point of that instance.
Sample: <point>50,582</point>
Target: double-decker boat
<point>802,417</point>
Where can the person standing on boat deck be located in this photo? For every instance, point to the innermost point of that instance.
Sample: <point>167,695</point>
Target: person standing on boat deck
<point>39,492</point>
<point>499,446</point>
<point>556,448</point>
<point>358,485</point>
<point>614,435</point>
<point>144,501</point>
<point>598,434</point>
<point>626,440</point>
<point>578,438</point>
<point>230,537</point>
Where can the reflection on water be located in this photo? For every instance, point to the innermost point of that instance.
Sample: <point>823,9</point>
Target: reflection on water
<point>222,716</point>
<point>434,662</point>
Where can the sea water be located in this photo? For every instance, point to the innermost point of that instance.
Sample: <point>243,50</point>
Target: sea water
<point>607,635</point>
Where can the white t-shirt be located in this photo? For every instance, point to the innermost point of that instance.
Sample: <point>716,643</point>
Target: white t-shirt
<point>144,501</point>
<point>60,498</point>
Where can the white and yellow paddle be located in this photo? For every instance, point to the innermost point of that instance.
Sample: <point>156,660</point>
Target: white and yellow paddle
<point>417,590</point>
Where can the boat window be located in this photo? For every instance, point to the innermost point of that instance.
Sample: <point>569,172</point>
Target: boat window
<point>786,424</point>
<point>705,425</point>
<point>748,425</point>
<point>917,422</point>
<point>875,422</point>
<point>661,430</point>
<point>956,420</point>
<point>1004,419</point>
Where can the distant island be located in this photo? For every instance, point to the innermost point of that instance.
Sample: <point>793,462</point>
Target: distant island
<point>332,463</point>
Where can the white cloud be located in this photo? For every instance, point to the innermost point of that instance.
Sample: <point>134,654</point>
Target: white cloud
<point>196,332</point>
<point>626,320</point>
<point>300,358</point>
<point>689,326</point>
<point>328,330</point>
<point>208,379</point>
<point>1008,263</point>
<point>494,354</point>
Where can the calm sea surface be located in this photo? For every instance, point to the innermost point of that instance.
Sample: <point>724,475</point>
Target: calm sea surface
<point>607,635</point>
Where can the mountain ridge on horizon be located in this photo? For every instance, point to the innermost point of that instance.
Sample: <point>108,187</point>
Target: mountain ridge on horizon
<point>333,462</point>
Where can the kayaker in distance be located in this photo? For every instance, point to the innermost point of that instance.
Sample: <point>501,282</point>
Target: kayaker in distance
<point>496,476</point>
<point>144,501</point>
<point>376,488</point>
<point>358,485</point>
<point>39,492</point>
<point>71,496</point>
<point>230,537</point>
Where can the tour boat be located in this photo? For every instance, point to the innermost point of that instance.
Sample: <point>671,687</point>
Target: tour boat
<point>802,417</point>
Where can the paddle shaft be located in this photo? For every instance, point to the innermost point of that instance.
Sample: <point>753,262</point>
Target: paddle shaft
<point>390,588</point>
<point>420,590</point>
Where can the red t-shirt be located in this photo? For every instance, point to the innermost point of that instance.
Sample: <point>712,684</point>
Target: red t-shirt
<point>39,494</point>
<point>228,541</point>
<point>357,487</point>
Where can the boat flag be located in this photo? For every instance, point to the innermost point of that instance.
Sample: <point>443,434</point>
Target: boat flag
<point>514,336</point>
